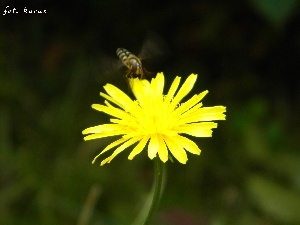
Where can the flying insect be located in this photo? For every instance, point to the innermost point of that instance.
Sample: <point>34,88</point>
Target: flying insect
<point>133,63</point>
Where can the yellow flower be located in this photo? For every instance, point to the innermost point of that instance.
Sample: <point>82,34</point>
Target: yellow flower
<point>155,118</point>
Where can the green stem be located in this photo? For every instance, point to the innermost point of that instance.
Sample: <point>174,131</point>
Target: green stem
<point>159,170</point>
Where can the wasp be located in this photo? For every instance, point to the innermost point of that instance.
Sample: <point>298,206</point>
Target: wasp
<point>133,63</point>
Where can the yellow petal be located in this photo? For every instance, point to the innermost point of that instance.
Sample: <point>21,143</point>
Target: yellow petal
<point>105,130</point>
<point>101,128</point>
<point>120,149</point>
<point>185,89</point>
<point>108,98</point>
<point>139,147</point>
<point>140,88</point>
<point>188,145</point>
<point>162,151</point>
<point>177,151</point>
<point>173,89</point>
<point>119,97</point>
<point>113,111</point>
<point>143,93</point>
<point>202,129</point>
<point>193,101</point>
<point>189,106</point>
<point>102,135</point>
<point>108,159</point>
<point>204,114</point>
<point>153,146</point>
<point>157,85</point>
<point>110,146</point>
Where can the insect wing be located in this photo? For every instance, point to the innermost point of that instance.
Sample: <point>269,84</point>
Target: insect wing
<point>110,65</point>
<point>153,47</point>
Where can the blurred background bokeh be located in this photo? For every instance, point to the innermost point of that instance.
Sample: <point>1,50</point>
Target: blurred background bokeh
<point>53,66</point>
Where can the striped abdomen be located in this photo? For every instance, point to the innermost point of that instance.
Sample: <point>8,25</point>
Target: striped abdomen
<point>132,62</point>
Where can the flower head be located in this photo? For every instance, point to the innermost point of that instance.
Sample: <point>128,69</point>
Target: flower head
<point>155,118</point>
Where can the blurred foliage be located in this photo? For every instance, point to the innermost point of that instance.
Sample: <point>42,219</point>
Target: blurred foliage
<point>51,70</point>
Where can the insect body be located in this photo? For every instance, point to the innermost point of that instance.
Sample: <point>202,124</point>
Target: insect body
<point>133,63</point>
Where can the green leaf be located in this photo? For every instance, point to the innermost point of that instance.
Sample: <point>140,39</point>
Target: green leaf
<point>277,11</point>
<point>279,202</point>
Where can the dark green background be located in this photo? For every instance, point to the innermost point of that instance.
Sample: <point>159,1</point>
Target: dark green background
<point>53,66</point>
